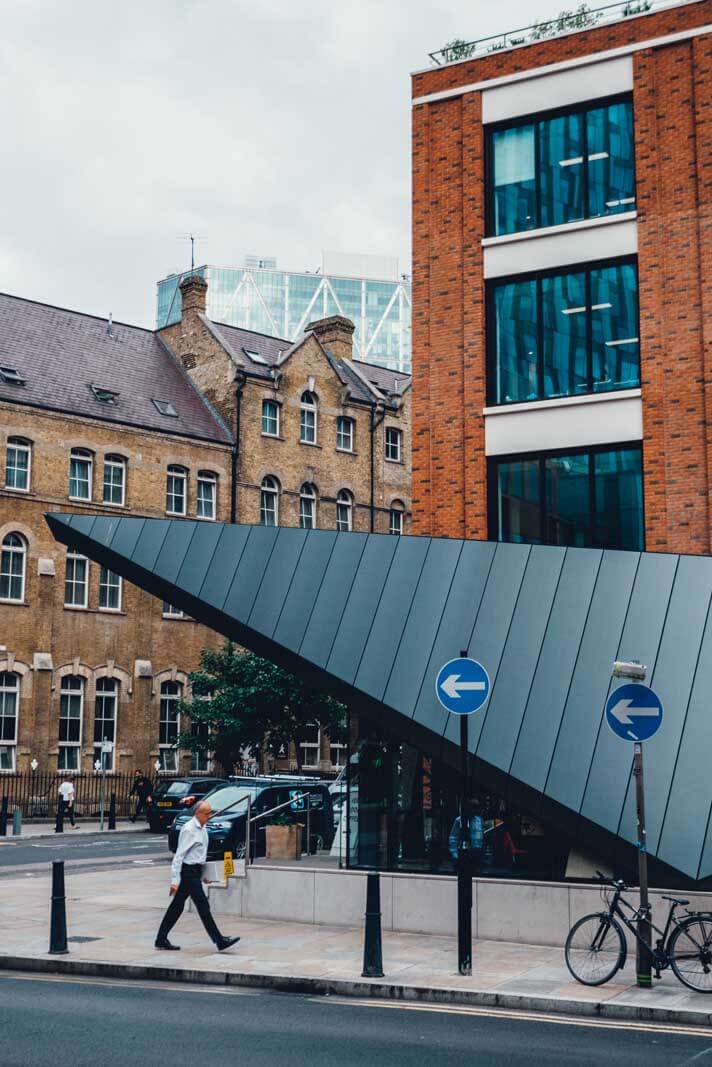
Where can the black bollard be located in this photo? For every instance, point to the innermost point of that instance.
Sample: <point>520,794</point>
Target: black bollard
<point>372,951</point>
<point>3,816</point>
<point>58,915</point>
<point>112,812</point>
<point>59,824</point>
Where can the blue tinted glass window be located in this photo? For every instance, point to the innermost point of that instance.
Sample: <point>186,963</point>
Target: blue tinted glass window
<point>514,179</point>
<point>614,328</point>
<point>568,500</point>
<point>516,341</point>
<point>563,311</point>
<point>611,159</point>
<point>561,169</point>
<point>519,501</point>
<point>619,499</point>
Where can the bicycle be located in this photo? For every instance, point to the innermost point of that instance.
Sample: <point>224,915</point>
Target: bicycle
<point>596,946</point>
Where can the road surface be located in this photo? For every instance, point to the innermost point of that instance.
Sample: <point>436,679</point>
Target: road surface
<point>89,852</point>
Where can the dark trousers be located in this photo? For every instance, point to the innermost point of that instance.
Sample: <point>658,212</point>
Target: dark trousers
<point>141,806</point>
<point>68,808</point>
<point>191,885</point>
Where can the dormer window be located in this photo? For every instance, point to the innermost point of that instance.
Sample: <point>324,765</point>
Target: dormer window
<point>164,407</point>
<point>254,356</point>
<point>104,396</point>
<point>11,376</point>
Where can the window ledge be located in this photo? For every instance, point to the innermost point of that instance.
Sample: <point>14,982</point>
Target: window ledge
<point>562,402</point>
<point>346,451</point>
<point>14,489</point>
<point>566,227</point>
<point>396,461</point>
<point>177,514</point>
<point>14,603</point>
<point>310,444</point>
<point>75,607</point>
<point>272,436</point>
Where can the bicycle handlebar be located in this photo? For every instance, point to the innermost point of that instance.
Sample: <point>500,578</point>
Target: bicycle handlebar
<point>616,883</point>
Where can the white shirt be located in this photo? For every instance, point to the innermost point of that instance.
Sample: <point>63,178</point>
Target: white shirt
<point>66,791</point>
<point>192,848</point>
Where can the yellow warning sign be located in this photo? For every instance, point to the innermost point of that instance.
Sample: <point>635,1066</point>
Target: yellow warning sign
<point>228,865</point>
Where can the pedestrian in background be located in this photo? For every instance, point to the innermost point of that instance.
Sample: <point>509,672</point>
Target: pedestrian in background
<point>187,881</point>
<point>142,790</point>
<point>66,799</point>
<point>477,837</point>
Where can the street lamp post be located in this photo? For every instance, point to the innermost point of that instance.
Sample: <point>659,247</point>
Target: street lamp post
<point>99,768</point>
<point>33,767</point>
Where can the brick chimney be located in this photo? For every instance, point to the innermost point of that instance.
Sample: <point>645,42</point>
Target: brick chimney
<point>336,334</point>
<point>193,292</point>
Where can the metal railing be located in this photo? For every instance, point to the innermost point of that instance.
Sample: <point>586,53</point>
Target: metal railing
<point>580,18</point>
<point>35,794</point>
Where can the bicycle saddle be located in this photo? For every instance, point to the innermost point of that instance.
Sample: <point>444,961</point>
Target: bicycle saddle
<point>675,900</point>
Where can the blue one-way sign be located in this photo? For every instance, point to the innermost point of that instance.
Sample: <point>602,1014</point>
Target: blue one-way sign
<point>462,686</point>
<point>634,712</point>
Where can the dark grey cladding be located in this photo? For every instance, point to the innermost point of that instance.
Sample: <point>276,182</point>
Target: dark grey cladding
<point>376,616</point>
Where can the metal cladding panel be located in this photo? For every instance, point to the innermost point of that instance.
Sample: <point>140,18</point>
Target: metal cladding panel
<point>344,564</point>
<point>393,612</point>
<point>485,630</point>
<point>174,549</point>
<point>586,698</point>
<point>226,559</point>
<point>431,596</point>
<point>383,614</point>
<point>612,758</point>
<point>361,606</point>
<point>199,557</point>
<point>688,802</point>
<point>304,589</point>
<point>672,681</point>
<point>557,661</point>
<point>503,714</point>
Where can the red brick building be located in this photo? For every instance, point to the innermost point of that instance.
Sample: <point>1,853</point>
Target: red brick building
<point>562,326</point>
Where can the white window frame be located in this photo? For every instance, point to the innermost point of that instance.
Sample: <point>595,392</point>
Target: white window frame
<point>398,512</point>
<point>75,558</point>
<point>207,478</point>
<point>13,545</point>
<point>170,611</point>
<point>345,426</point>
<point>308,746</point>
<point>70,692</point>
<point>106,585</point>
<point>307,507</point>
<point>102,696</point>
<point>18,444</point>
<point>8,690</point>
<point>394,446</point>
<point>308,418</point>
<point>113,463</point>
<point>168,753</point>
<point>269,419</point>
<point>176,475</point>
<point>341,750</point>
<point>82,455</point>
<point>269,500</point>
<point>344,511</point>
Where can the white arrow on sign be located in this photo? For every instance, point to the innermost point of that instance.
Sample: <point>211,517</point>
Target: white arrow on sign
<point>452,686</point>
<point>623,711</point>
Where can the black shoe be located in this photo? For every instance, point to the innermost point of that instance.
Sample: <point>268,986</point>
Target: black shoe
<point>226,942</point>
<point>165,943</point>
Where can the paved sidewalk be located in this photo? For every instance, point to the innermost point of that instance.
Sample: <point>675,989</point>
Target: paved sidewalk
<point>84,826</point>
<point>114,921</point>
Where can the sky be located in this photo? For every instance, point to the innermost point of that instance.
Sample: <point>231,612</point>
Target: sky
<point>271,127</point>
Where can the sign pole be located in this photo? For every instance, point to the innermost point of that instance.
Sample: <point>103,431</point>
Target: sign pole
<point>464,867</point>
<point>643,960</point>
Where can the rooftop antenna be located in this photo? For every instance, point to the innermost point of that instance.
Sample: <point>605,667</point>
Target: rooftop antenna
<point>192,237</point>
<point>109,325</point>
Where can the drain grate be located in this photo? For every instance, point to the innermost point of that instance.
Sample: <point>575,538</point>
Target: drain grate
<point>83,939</point>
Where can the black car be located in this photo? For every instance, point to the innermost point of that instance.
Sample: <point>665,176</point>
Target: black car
<point>171,795</point>
<point>226,829</point>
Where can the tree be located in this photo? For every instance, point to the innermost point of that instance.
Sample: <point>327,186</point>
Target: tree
<point>246,701</point>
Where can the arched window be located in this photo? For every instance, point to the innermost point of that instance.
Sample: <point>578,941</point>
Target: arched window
<point>307,506</point>
<point>395,519</point>
<point>12,568</point>
<point>176,490</point>
<point>344,511</point>
<point>9,706</point>
<point>18,464</point>
<point>307,422</point>
<point>169,725</point>
<point>105,709</point>
<point>269,501</point>
<point>114,480</point>
<point>80,474</point>
<point>71,708</point>
<point>206,506</point>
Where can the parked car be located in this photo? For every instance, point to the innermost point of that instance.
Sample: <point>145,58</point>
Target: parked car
<point>226,829</point>
<point>173,795</point>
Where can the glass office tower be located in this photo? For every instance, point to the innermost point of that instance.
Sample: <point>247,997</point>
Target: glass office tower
<point>281,303</point>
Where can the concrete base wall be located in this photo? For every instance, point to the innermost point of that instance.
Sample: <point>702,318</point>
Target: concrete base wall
<point>539,913</point>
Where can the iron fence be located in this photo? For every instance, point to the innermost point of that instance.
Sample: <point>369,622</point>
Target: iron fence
<point>35,794</point>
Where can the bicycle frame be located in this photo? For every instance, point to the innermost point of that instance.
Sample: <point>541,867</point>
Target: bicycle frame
<point>658,954</point>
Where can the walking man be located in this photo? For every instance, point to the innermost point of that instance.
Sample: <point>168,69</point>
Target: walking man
<point>66,798</point>
<point>142,790</point>
<point>186,881</point>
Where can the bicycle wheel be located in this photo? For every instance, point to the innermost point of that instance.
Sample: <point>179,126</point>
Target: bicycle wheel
<point>595,949</point>
<point>690,952</point>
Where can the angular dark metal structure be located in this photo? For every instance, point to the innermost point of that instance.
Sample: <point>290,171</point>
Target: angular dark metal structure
<point>375,617</point>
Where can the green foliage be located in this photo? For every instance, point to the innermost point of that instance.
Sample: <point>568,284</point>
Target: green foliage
<point>637,9</point>
<point>458,49</point>
<point>245,699</point>
<point>579,19</point>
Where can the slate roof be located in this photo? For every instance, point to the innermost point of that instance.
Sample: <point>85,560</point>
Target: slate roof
<point>61,353</point>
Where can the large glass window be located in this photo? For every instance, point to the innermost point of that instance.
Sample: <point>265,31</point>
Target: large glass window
<point>176,495</point>
<point>270,418</point>
<point>105,722</point>
<point>9,703</point>
<point>168,726</point>
<point>344,433</point>
<point>109,590</point>
<point>564,333</point>
<point>71,705</point>
<point>13,560</point>
<point>207,495</point>
<point>80,471</point>
<point>561,168</point>
<point>591,499</point>
<point>76,581</point>
<point>114,480</point>
<point>17,464</point>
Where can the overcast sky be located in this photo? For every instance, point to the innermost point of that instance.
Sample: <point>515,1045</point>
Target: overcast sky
<point>274,127</point>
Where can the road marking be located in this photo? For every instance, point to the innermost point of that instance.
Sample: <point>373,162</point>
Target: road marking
<point>526,1016</point>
